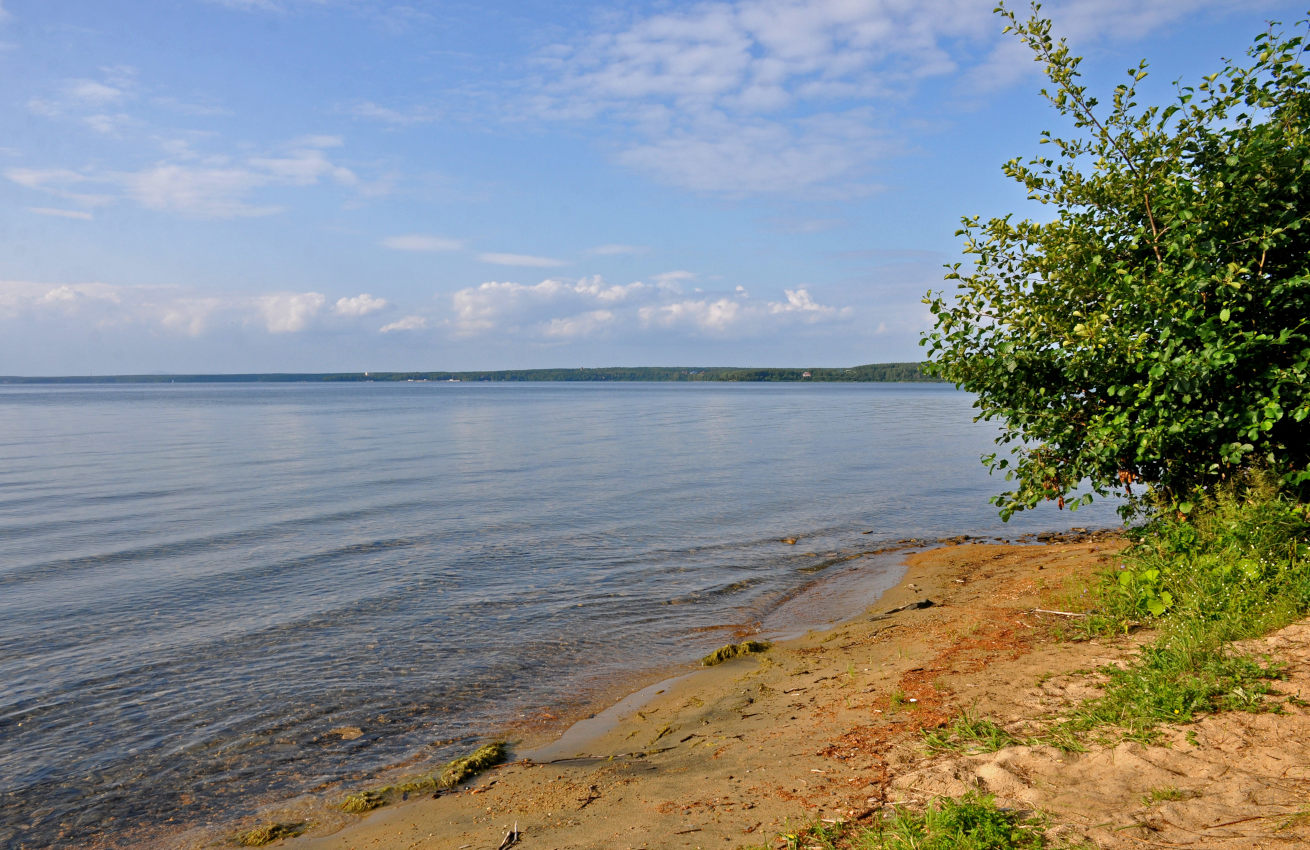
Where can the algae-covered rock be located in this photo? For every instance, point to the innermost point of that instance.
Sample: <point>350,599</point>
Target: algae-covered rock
<point>462,769</point>
<point>270,832</point>
<point>364,801</point>
<point>732,650</point>
<point>454,773</point>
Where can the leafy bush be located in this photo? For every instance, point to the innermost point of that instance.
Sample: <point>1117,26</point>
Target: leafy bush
<point>1157,329</point>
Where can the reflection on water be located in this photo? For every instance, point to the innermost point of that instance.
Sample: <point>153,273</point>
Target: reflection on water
<point>198,583</point>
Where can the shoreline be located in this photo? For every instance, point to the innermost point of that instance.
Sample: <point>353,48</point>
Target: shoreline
<point>803,613</point>
<point>615,738</point>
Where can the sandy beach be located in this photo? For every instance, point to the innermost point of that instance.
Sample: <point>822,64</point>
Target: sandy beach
<point>829,726</point>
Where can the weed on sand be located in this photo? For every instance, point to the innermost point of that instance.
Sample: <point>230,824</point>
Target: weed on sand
<point>1237,566</point>
<point>974,822</point>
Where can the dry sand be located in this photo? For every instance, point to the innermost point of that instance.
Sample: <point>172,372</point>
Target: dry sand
<point>829,726</point>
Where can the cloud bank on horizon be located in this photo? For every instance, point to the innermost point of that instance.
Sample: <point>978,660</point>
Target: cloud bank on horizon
<point>322,185</point>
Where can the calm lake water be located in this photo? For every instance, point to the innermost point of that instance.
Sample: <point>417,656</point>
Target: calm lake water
<point>198,583</point>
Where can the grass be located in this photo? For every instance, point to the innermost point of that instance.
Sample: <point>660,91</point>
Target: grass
<point>968,735</point>
<point>974,822</point>
<point>454,773</point>
<point>1238,567</point>
<point>1165,794</point>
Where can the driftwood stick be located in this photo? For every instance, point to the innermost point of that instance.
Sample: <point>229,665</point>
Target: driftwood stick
<point>511,838</point>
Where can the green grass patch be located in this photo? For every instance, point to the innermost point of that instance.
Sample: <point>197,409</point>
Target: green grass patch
<point>974,822</point>
<point>1236,566</point>
<point>1165,794</point>
<point>968,735</point>
<point>732,650</point>
<point>454,773</point>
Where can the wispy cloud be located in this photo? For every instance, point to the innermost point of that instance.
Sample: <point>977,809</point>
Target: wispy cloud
<point>756,96</point>
<point>406,117</point>
<point>81,215</point>
<point>523,260</point>
<point>583,325</point>
<point>408,323</point>
<point>615,250</point>
<point>217,187</point>
<point>422,242</point>
<point>97,103</point>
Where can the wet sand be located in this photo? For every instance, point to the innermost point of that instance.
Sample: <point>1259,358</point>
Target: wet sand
<point>828,725</point>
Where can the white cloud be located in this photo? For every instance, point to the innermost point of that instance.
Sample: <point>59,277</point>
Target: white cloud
<point>200,192</point>
<point>56,182</point>
<point>93,92</point>
<point>187,315</point>
<point>422,242</point>
<point>395,117</point>
<point>754,156</point>
<point>617,250</point>
<point>716,315</point>
<point>408,323</point>
<point>799,301</point>
<point>360,305</point>
<point>745,97</point>
<point>481,308</point>
<point>557,309</point>
<point>1086,23</point>
<point>18,297</point>
<point>86,99</point>
<point>672,281</point>
<point>249,5</point>
<point>178,310</point>
<point>585,324</point>
<point>524,260</point>
<point>757,96</point>
<point>201,187</point>
<point>51,211</point>
<point>289,312</point>
<point>740,315</point>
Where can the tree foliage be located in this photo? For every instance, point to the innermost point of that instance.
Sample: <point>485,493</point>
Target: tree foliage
<point>1157,328</point>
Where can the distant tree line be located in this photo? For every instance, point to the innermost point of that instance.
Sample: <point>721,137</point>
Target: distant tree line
<point>872,372</point>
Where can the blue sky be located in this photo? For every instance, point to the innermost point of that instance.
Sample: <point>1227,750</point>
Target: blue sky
<point>323,185</point>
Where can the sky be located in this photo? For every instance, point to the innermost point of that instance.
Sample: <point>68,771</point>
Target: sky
<point>367,185</point>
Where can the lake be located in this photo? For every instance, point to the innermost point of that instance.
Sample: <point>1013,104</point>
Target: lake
<point>202,585</point>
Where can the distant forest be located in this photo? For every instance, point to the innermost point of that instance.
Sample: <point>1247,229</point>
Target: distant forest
<point>872,372</point>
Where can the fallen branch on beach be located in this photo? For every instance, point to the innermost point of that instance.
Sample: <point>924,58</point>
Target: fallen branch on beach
<point>922,603</point>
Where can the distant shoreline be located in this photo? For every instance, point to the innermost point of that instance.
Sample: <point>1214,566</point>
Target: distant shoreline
<point>904,372</point>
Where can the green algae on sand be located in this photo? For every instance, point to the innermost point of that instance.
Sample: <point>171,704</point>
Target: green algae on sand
<point>732,650</point>
<point>270,832</point>
<point>454,773</point>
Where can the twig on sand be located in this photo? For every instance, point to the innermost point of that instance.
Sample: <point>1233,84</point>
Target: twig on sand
<point>593,794</point>
<point>511,838</point>
<point>1058,613</point>
<point>1244,820</point>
